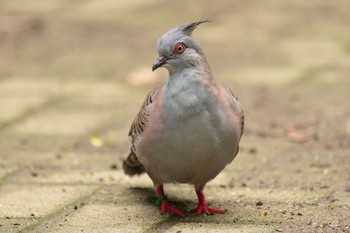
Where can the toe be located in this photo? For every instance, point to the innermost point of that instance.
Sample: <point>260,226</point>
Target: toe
<point>216,211</point>
<point>204,209</point>
<point>166,207</point>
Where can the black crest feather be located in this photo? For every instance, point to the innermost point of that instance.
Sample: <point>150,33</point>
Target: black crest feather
<point>188,28</point>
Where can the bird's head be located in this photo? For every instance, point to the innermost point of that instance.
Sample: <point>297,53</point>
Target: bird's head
<point>177,50</point>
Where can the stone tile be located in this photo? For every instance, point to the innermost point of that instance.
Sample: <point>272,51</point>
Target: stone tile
<point>268,75</point>
<point>287,76</point>
<point>208,228</point>
<point>252,155</point>
<point>13,106</point>
<point>105,95</point>
<point>292,195</point>
<point>304,168</point>
<point>10,225</point>
<point>342,198</point>
<point>114,194</point>
<point>53,122</point>
<point>247,195</point>
<point>135,181</point>
<point>26,87</point>
<point>5,171</point>
<point>27,159</point>
<point>15,145</point>
<point>316,218</point>
<point>306,52</point>
<point>69,176</point>
<point>62,168</point>
<point>24,200</point>
<point>106,218</point>
<point>58,161</point>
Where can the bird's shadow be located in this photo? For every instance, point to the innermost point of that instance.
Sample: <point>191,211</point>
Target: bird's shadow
<point>149,197</point>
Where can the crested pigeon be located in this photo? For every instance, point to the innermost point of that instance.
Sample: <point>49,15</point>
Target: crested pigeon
<point>188,129</point>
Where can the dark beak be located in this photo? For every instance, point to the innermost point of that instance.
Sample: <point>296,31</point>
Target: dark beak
<point>160,61</point>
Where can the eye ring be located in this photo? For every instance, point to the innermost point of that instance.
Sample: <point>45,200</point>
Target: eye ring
<point>179,48</point>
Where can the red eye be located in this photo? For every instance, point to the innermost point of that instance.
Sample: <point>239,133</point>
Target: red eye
<point>179,48</point>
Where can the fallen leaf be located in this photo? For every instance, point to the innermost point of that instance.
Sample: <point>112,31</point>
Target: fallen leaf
<point>263,213</point>
<point>297,135</point>
<point>96,141</point>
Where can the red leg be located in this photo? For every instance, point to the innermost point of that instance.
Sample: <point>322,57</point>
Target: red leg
<point>165,206</point>
<point>202,206</point>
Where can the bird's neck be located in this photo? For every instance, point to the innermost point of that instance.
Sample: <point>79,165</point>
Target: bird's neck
<point>197,69</point>
<point>186,89</point>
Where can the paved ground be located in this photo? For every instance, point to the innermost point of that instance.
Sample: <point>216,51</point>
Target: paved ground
<point>72,76</point>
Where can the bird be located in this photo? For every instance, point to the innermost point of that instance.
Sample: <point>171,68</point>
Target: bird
<point>187,129</point>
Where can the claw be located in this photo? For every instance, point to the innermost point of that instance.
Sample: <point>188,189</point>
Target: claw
<point>166,207</point>
<point>202,207</point>
<point>164,204</point>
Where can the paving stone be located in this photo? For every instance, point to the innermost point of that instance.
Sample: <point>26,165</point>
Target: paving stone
<point>67,167</point>
<point>16,224</point>
<point>251,155</point>
<point>104,95</point>
<point>341,198</point>
<point>23,87</point>
<point>46,163</point>
<point>26,87</point>
<point>270,75</point>
<point>13,106</point>
<point>322,51</point>
<point>223,195</point>
<point>282,195</point>
<point>287,61</point>
<point>15,145</point>
<point>135,181</point>
<point>107,218</point>
<point>52,122</point>
<point>316,218</point>
<point>69,176</point>
<point>200,227</point>
<point>311,170</point>
<point>25,200</point>
<point>38,160</point>
<point>5,171</point>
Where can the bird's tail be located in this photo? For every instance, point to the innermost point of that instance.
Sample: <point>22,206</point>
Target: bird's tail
<point>132,165</point>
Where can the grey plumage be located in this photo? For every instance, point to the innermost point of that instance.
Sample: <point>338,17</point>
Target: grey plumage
<point>188,129</point>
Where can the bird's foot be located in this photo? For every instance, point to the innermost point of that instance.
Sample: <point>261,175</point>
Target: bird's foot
<point>166,207</point>
<point>203,208</point>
